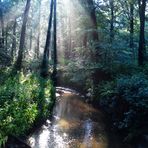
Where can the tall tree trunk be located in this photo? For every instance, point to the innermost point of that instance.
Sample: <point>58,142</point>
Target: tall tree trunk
<point>85,39</point>
<point>6,38</point>
<point>37,51</point>
<point>44,66</point>
<point>30,46</point>
<point>93,19</point>
<point>13,50</point>
<point>55,47</point>
<point>38,46</point>
<point>18,63</point>
<point>94,55</point>
<point>70,38</point>
<point>90,10</point>
<point>2,41</point>
<point>112,20</point>
<point>141,49</point>
<point>131,24</point>
<point>65,38</point>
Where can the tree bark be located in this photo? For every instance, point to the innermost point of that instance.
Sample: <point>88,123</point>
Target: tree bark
<point>55,47</point>
<point>141,49</point>
<point>44,66</point>
<point>85,39</point>
<point>39,33</point>
<point>112,21</point>
<point>131,24</point>
<point>93,19</point>
<point>2,36</point>
<point>30,46</point>
<point>13,50</point>
<point>18,63</point>
<point>6,38</point>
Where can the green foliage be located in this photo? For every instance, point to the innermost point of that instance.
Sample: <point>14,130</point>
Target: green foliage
<point>23,100</point>
<point>126,100</point>
<point>4,74</point>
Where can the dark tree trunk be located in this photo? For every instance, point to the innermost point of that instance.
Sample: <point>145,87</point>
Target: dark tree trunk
<point>6,38</point>
<point>141,49</point>
<point>85,39</point>
<point>131,24</point>
<point>112,21</point>
<point>2,36</point>
<point>18,63</point>
<point>44,66</point>
<point>38,46</point>
<point>39,33</point>
<point>55,47</point>
<point>93,19</point>
<point>13,50</point>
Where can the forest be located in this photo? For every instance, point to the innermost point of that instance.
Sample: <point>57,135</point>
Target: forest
<point>99,48</point>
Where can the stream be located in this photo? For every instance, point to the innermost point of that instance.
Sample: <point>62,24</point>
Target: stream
<point>75,124</point>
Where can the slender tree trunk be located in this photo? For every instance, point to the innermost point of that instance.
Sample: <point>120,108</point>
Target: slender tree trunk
<point>31,30</point>
<point>85,39</point>
<point>18,64</point>
<point>2,36</point>
<point>141,49</point>
<point>30,46</point>
<point>70,38</point>
<point>13,50</point>
<point>112,21</point>
<point>65,38</point>
<point>38,46</point>
<point>39,33</point>
<point>44,66</point>
<point>6,38</point>
<point>131,24</point>
<point>55,46</point>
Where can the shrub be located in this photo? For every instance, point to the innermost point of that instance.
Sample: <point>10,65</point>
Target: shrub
<point>126,100</point>
<point>23,99</point>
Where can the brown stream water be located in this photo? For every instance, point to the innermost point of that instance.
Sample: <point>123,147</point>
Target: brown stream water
<point>75,124</point>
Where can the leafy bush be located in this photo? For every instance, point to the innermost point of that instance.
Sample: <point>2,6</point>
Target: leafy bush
<point>4,72</point>
<point>23,99</point>
<point>126,100</point>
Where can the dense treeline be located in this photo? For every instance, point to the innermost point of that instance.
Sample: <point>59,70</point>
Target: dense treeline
<point>105,53</point>
<point>26,91</point>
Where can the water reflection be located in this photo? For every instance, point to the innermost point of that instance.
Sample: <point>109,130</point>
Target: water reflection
<point>75,125</point>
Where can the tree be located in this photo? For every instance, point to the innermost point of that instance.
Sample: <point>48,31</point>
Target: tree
<point>131,24</point>
<point>45,61</point>
<point>141,49</point>
<point>111,3</point>
<point>39,32</point>
<point>55,47</point>
<point>13,50</point>
<point>2,25</point>
<point>93,19</point>
<point>89,6</point>
<point>18,63</point>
